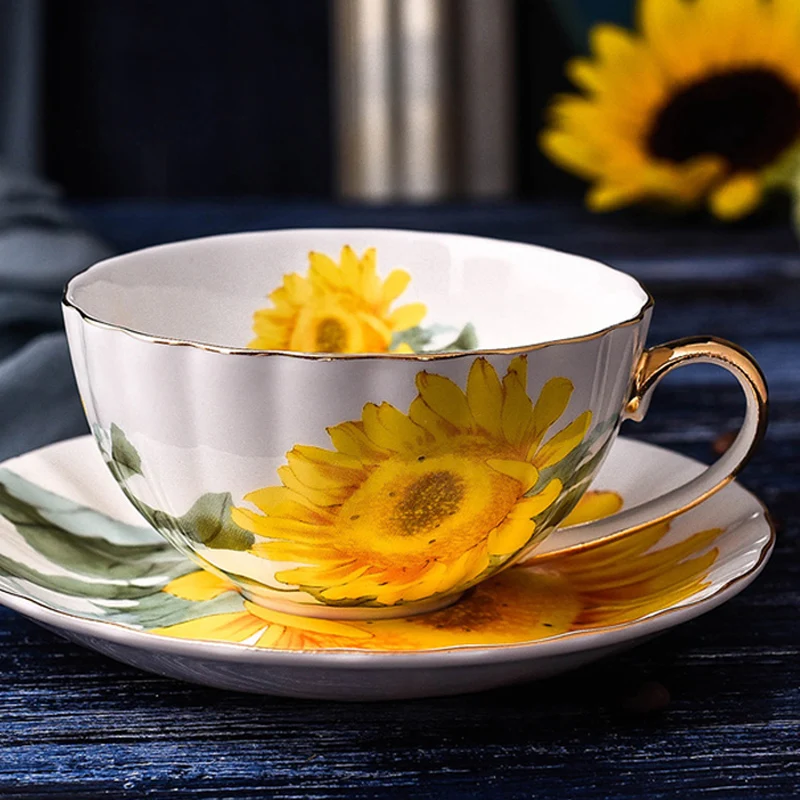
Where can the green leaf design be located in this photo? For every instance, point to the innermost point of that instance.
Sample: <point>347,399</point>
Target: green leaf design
<point>419,338</point>
<point>416,338</point>
<point>208,521</point>
<point>96,567</point>
<point>124,456</point>
<point>99,571</point>
<point>160,609</point>
<point>580,464</point>
<point>466,340</point>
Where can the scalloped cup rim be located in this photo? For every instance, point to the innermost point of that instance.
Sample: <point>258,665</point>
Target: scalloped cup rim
<point>69,300</point>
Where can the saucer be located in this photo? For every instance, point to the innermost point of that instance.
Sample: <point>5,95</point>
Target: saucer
<point>76,558</point>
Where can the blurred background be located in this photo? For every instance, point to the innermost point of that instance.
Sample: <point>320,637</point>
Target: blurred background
<point>373,100</point>
<point>136,122</point>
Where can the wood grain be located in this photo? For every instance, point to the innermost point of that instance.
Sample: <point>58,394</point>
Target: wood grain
<point>74,724</point>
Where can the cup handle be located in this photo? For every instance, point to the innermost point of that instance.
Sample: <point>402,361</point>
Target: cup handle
<point>652,367</point>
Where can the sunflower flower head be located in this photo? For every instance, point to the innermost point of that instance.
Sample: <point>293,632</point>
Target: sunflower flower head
<point>701,104</point>
<point>614,583</point>
<point>336,308</point>
<point>407,507</point>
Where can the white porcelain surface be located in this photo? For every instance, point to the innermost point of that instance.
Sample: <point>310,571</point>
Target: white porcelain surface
<point>75,471</point>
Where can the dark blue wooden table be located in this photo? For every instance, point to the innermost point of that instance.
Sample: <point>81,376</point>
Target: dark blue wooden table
<point>75,724</point>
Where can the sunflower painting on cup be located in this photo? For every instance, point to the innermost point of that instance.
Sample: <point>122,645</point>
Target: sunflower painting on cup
<point>411,506</point>
<point>699,105</point>
<point>337,308</point>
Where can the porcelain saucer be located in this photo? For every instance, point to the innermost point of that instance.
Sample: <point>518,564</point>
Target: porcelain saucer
<point>76,558</point>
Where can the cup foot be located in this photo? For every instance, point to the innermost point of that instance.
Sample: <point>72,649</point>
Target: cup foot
<point>348,612</point>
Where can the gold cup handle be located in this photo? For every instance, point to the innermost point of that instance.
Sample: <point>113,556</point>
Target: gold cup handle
<point>652,367</point>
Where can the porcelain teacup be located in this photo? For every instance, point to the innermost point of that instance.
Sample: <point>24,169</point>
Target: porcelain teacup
<point>366,423</point>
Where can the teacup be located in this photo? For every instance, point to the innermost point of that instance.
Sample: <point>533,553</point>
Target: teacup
<point>261,440</point>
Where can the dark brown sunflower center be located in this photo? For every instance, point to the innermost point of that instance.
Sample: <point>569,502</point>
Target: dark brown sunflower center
<point>428,502</point>
<point>749,117</point>
<point>331,336</point>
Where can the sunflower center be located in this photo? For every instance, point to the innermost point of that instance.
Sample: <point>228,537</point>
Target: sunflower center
<point>430,505</point>
<point>331,336</point>
<point>428,502</point>
<point>747,116</point>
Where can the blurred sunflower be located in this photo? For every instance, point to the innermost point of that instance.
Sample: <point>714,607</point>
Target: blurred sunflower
<point>701,104</point>
<point>337,308</point>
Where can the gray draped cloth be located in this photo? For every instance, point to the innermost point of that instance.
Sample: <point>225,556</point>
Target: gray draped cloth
<point>41,247</point>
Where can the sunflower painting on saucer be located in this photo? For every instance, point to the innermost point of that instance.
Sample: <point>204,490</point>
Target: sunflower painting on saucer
<point>699,105</point>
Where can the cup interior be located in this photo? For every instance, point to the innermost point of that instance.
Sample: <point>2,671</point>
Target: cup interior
<point>205,291</point>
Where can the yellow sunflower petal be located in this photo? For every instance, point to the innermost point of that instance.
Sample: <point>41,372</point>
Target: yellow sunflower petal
<point>607,196</point>
<point>392,430</point>
<point>517,412</point>
<point>521,471</point>
<point>426,583</point>
<point>377,334</point>
<point>737,197</point>
<point>329,496</point>
<point>407,316</point>
<point>510,536</point>
<point>464,569</point>
<point>350,438</point>
<point>564,442</point>
<point>371,287</point>
<point>592,506</point>
<point>534,505</point>
<point>199,585</point>
<point>445,399</point>
<point>351,271</point>
<point>485,396</point>
<point>297,288</point>
<point>238,626</point>
<point>584,73</point>
<point>324,272</point>
<point>332,463</point>
<point>572,152</point>
<point>551,404</point>
<point>394,285</point>
<point>312,624</point>
<point>605,573</point>
<point>582,564</point>
<point>674,579</point>
<point>272,636</point>
<point>303,550</point>
<point>334,574</point>
<point>671,30</point>
<point>519,367</point>
<point>272,527</point>
<point>365,586</point>
<point>283,502</point>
